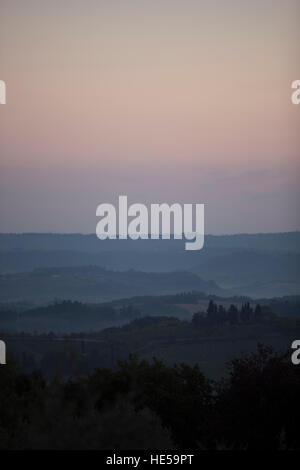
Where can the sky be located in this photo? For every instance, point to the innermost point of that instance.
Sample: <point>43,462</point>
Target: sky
<point>160,100</point>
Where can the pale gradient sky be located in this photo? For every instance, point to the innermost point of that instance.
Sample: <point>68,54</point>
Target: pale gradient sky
<point>162,100</point>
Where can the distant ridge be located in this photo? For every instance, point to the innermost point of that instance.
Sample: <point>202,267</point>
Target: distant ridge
<point>264,264</point>
<point>94,284</point>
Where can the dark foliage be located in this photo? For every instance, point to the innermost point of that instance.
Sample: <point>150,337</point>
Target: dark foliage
<point>150,405</point>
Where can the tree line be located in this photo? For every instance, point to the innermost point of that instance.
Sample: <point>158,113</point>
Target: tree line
<point>233,315</point>
<point>149,405</point>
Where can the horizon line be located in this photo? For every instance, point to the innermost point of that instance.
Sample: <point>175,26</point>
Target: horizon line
<point>172,234</point>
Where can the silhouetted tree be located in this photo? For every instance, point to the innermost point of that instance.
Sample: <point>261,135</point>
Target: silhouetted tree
<point>233,315</point>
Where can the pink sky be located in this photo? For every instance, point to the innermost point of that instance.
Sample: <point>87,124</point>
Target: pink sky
<point>165,101</point>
